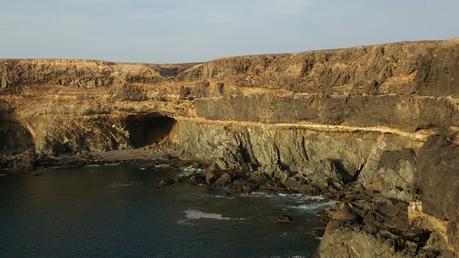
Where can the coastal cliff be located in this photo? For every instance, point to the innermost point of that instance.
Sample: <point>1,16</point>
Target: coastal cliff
<point>375,127</point>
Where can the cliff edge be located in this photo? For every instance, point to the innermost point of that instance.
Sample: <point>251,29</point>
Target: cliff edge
<point>376,127</point>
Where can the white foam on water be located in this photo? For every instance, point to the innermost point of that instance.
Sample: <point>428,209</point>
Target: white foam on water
<point>258,195</point>
<point>296,197</point>
<point>227,197</point>
<point>314,198</point>
<point>123,185</point>
<point>92,165</point>
<point>312,206</point>
<point>190,171</point>
<point>301,197</point>
<point>197,214</point>
<point>162,166</point>
<point>111,164</point>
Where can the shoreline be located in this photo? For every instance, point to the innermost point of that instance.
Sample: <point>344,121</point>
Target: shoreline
<point>355,213</point>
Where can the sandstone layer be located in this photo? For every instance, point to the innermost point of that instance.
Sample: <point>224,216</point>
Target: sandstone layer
<point>376,126</point>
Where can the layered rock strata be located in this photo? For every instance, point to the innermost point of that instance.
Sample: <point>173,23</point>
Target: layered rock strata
<point>374,126</point>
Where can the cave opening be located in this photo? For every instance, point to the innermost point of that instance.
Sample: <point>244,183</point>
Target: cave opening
<point>150,129</point>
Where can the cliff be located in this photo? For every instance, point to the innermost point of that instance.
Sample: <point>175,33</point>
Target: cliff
<point>377,126</point>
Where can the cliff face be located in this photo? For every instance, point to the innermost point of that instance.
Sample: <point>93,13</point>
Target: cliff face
<point>375,119</point>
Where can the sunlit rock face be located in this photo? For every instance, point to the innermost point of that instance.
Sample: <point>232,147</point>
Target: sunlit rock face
<point>379,120</point>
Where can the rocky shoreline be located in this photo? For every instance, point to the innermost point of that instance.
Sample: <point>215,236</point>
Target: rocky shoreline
<point>357,216</point>
<point>373,127</point>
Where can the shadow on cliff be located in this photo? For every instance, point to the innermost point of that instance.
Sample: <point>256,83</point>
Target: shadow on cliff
<point>15,139</point>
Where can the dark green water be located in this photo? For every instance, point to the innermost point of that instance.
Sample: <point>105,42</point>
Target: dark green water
<point>115,211</point>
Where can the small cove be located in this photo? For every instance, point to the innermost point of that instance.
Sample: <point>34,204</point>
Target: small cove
<point>118,211</point>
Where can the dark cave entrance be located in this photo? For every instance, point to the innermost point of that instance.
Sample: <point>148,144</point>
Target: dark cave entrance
<point>149,129</point>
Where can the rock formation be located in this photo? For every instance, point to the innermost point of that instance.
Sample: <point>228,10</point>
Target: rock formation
<point>376,126</point>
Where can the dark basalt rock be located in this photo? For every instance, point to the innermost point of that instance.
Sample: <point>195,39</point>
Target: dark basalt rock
<point>378,229</point>
<point>437,175</point>
<point>437,180</point>
<point>166,181</point>
<point>284,218</point>
<point>224,180</point>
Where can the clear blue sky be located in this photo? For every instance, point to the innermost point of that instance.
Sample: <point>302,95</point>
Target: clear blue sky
<point>170,31</point>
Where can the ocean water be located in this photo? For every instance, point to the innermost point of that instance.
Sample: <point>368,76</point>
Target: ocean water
<point>115,211</point>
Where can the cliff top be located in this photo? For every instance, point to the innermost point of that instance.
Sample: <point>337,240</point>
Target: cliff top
<point>410,67</point>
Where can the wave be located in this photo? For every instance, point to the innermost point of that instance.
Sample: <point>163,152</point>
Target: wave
<point>312,206</point>
<point>162,165</point>
<point>197,214</point>
<point>92,165</point>
<point>123,185</point>
<point>302,197</point>
<point>295,196</point>
<point>111,164</point>
<point>223,197</point>
<point>190,171</point>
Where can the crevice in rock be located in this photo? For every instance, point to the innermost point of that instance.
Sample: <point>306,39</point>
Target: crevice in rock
<point>304,153</point>
<point>341,169</point>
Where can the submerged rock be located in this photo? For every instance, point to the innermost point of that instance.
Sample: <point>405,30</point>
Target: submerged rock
<point>284,218</point>
<point>166,181</point>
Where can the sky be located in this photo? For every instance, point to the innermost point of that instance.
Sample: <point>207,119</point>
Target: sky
<point>179,31</point>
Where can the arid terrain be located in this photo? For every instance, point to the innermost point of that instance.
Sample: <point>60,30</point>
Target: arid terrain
<point>374,127</point>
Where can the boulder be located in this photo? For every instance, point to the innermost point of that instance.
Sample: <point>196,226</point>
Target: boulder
<point>166,181</point>
<point>210,176</point>
<point>224,180</point>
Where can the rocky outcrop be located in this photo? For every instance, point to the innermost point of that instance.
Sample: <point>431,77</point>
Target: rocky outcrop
<point>325,158</point>
<point>437,181</point>
<point>374,127</point>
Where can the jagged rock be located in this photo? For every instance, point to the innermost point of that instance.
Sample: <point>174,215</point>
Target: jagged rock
<point>210,176</point>
<point>343,213</point>
<point>241,186</point>
<point>389,172</point>
<point>224,180</point>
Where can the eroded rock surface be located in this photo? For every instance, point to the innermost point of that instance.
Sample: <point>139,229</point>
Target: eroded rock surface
<point>374,127</point>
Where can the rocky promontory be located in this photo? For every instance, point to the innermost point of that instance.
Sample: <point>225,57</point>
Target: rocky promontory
<point>374,127</point>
